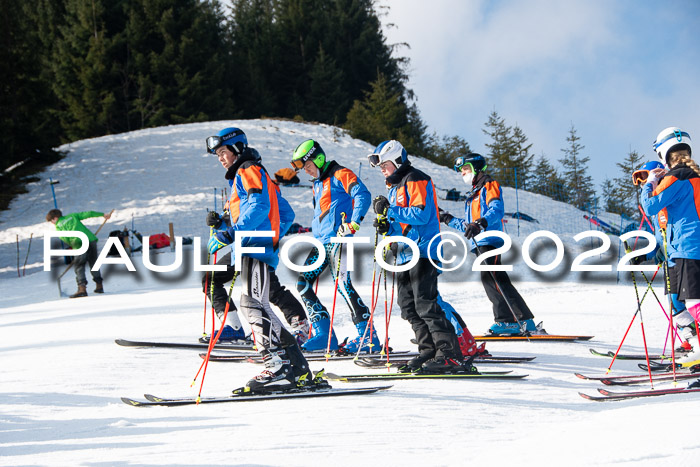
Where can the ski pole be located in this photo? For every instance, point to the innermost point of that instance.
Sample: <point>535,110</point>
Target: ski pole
<point>668,289</point>
<point>387,317</point>
<point>641,319</point>
<point>372,306</point>
<point>24,266</point>
<point>335,292</point>
<point>521,326</point>
<point>18,274</point>
<point>214,339</point>
<point>370,321</point>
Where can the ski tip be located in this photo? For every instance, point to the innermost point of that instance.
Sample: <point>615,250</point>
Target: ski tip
<point>579,375</point>
<point>132,402</point>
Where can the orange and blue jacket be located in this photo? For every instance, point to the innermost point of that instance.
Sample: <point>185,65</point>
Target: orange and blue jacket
<point>485,201</point>
<point>336,191</point>
<point>254,205</point>
<point>413,212</point>
<point>679,193</point>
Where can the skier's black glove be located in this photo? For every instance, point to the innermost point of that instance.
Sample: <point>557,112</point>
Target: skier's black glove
<point>381,224</point>
<point>213,219</point>
<point>380,205</point>
<point>475,228</point>
<point>637,260</point>
<point>445,217</point>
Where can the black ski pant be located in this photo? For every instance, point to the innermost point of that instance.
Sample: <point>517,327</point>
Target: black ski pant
<point>500,287</point>
<point>213,285</point>
<point>417,298</point>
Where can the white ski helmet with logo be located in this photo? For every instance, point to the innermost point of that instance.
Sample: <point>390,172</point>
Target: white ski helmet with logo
<point>391,151</point>
<point>669,140</point>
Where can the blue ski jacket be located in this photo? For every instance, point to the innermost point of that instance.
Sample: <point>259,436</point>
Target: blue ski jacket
<point>679,193</point>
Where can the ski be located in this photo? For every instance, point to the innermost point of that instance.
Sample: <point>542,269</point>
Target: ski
<point>370,362</point>
<point>655,378</point>
<point>395,376</point>
<point>631,356</point>
<point>295,394</point>
<point>310,356</point>
<point>629,377</point>
<point>617,396</point>
<point>184,345</point>
<point>533,338</point>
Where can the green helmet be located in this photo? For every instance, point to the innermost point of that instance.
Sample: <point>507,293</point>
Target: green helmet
<point>308,150</point>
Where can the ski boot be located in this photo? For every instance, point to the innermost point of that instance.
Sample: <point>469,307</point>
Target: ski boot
<point>228,334</point>
<point>503,328</point>
<point>468,346</point>
<point>277,376</point>
<point>319,342</point>
<point>300,367</point>
<point>690,359</point>
<point>300,329</point>
<point>369,344</point>
<point>415,364</point>
<point>446,365</point>
<point>98,287</point>
<point>694,385</point>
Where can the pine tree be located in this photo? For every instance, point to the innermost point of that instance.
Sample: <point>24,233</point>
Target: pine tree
<point>547,181</point>
<point>623,195</point>
<point>383,115</point>
<point>446,150</point>
<point>578,183</point>
<point>509,154</point>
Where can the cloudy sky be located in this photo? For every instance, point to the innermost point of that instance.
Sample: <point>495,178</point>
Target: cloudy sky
<point>619,71</point>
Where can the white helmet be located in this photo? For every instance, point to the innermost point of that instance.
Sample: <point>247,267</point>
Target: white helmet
<point>390,150</point>
<point>671,138</point>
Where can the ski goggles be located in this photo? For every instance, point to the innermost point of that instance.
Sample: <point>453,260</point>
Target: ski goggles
<point>213,143</point>
<point>639,177</point>
<point>374,160</point>
<point>298,164</point>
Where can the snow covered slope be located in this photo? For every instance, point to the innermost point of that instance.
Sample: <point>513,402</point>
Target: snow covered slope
<point>63,375</point>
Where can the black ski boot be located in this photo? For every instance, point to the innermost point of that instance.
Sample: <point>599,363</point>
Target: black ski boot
<point>415,363</point>
<point>446,365</point>
<point>278,374</point>
<point>300,367</point>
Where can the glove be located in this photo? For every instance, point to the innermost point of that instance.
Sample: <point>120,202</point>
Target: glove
<point>445,217</point>
<point>394,247</point>
<point>213,219</point>
<point>475,228</point>
<point>654,177</point>
<point>380,205</point>
<point>219,240</point>
<point>348,228</point>
<point>637,260</point>
<point>381,224</point>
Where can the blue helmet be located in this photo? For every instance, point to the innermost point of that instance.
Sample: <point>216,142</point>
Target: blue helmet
<point>233,137</point>
<point>473,160</point>
<point>390,150</point>
<point>640,176</point>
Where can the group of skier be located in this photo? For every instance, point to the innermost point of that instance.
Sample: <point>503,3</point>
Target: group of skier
<point>341,202</point>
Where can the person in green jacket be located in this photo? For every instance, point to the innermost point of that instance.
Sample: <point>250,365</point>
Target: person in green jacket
<point>72,222</point>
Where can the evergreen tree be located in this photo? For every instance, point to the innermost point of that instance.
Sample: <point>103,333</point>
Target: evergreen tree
<point>27,129</point>
<point>383,115</point>
<point>622,194</point>
<point>325,87</point>
<point>547,181</point>
<point>509,154</point>
<point>445,150</point>
<point>578,183</point>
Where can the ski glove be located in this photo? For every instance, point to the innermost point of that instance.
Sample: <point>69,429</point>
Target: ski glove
<point>380,205</point>
<point>348,228</point>
<point>215,220</point>
<point>219,240</point>
<point>381,224</point>
<point>475,228</point>
<point>445,217</point>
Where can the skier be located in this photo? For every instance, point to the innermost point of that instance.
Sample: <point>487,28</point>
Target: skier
<point>72,222</point>
<point>411,211</point>
<point>681,317</point>
<point>484,211</point>
<point>340,201</point>
<point>254,206</point>
<point>213,282</point>
<point>678,191</point>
